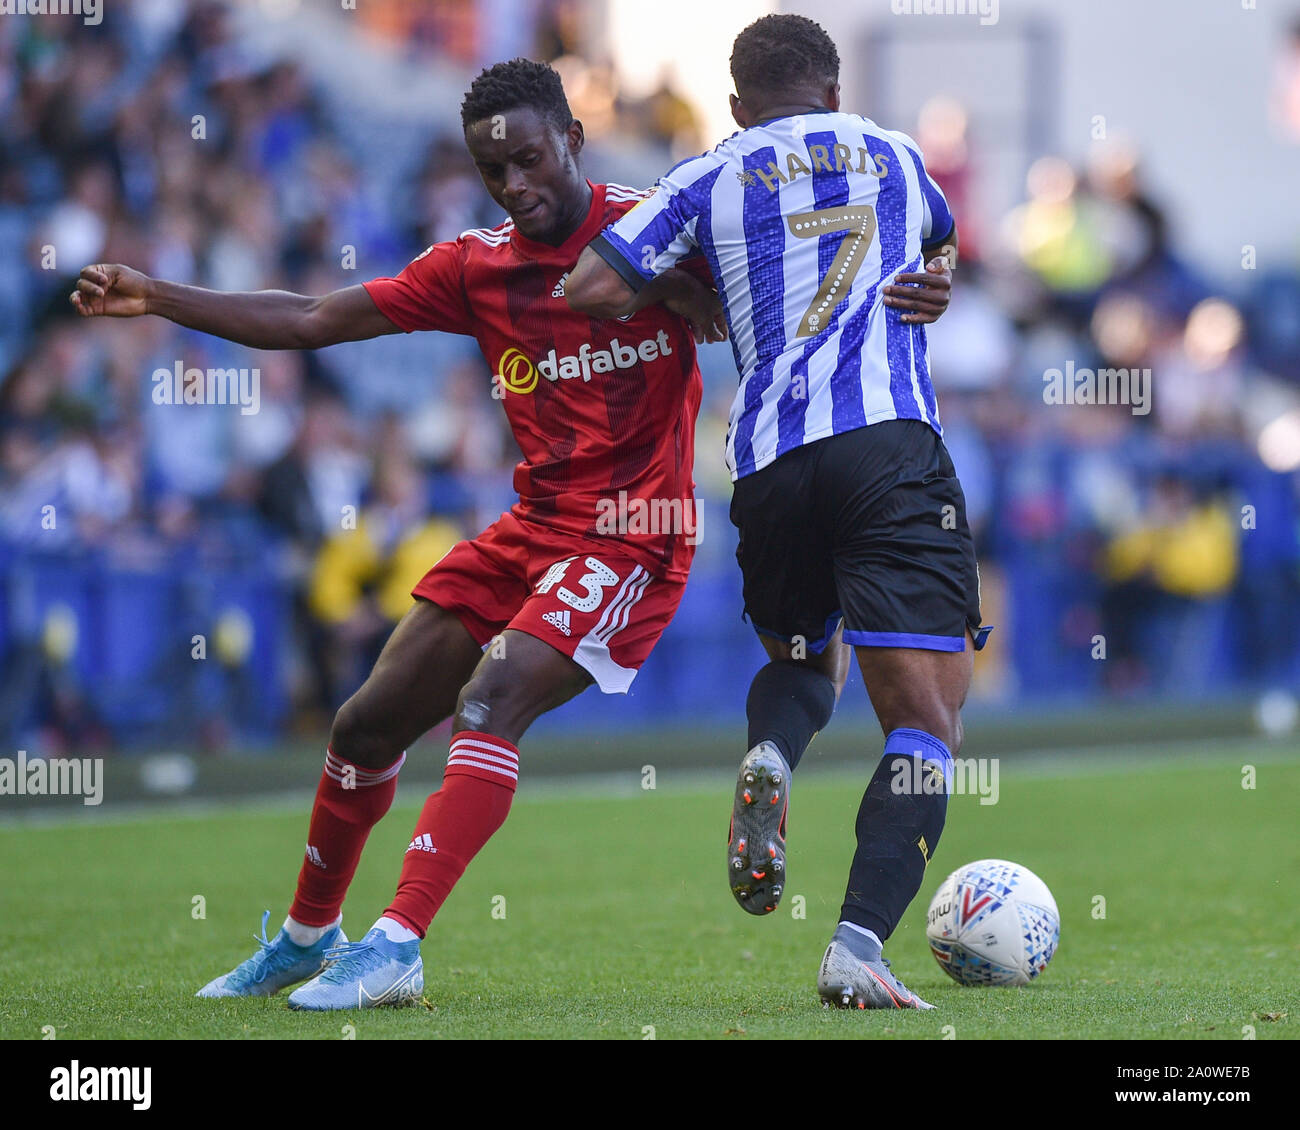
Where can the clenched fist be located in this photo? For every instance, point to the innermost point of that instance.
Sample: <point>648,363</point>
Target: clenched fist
<point>111,290</point>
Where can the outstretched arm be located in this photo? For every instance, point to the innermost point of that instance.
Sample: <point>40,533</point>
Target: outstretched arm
<point>265,319</point>
<point>594,287</point>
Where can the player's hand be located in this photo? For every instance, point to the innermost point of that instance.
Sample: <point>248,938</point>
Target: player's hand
<point>923,297</point>
<point>111,290</point>
<point>701,307</point>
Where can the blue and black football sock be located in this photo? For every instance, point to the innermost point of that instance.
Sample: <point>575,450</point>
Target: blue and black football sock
<point>788,703</point>
<point>899,824</point>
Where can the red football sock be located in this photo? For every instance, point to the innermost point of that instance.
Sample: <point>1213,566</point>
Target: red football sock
<point>349,802</point>
<point>457,821</point>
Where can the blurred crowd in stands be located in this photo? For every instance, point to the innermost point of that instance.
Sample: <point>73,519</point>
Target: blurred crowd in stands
<point>1168,539</point>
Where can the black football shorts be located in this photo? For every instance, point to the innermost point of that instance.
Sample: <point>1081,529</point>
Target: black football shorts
<point>868,527</point>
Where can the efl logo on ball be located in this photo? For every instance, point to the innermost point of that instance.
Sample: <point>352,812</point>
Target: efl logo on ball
<point>993,923</point>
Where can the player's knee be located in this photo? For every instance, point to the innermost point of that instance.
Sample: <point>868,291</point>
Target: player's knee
<point>945,724</point>
<point>504,703</point>
<point>475,709</point>
<point>491,702</point>
<point>947,728</point>
<point>358,738</point>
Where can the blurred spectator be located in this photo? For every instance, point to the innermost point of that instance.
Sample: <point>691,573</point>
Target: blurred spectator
<point>362,577</point>
<point>1201,377</point>
<point>1056,237</point>
<point>941,133</point>
<point>670,120</point>
<point>1161,610</point>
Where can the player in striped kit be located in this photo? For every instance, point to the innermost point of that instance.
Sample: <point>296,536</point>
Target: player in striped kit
<point>815,224</point>
<point>544,602</point>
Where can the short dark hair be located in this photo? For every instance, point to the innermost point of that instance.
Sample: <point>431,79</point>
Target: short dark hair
<point>783,52</point>
<point>520,82</point>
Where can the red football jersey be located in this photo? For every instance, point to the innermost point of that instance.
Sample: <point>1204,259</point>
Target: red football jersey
<point>603,411</point>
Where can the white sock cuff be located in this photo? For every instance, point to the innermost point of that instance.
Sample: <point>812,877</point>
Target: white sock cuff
<point>342,770</point>
<point>864,932</point>
<point>302,935</point>
<point>394,931</point>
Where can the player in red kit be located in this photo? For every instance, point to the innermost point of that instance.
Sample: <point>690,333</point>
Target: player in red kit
<point>557,594</point>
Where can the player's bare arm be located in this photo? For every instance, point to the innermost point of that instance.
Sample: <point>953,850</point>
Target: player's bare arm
<point>926,295</point>
<point>595,288</point>
<point>266,319</point>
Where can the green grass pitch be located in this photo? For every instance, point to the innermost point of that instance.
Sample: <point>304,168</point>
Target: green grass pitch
<point>606,915</point>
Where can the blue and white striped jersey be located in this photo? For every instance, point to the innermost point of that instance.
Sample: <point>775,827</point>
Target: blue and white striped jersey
<point>802,221</point>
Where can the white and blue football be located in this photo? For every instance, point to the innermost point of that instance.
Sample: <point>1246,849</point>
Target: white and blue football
<point>993,922</point>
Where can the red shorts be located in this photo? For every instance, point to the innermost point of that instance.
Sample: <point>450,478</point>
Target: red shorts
<point>587,599</point>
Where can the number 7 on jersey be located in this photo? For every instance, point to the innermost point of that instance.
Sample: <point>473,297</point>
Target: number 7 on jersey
<point>859,222</point>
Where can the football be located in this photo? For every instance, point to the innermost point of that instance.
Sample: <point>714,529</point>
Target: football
<point>993,922</point>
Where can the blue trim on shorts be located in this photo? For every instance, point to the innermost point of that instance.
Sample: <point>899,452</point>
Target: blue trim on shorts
<point>816,647</point>
<point>905,639</point>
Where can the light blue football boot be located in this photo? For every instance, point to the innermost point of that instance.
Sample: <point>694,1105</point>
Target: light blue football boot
<point>276,965</point>
<point>371,973</point>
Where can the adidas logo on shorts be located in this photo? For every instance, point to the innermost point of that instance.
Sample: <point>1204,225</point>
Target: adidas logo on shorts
<point>422,842</point>
<point>559,621</point>
<point>558,292</point>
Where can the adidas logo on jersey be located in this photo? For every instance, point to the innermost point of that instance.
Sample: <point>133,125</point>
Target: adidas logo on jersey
<point>559,621</point>
<point>313,857</point>
<point>422,842</point>
<point>558,292</point>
